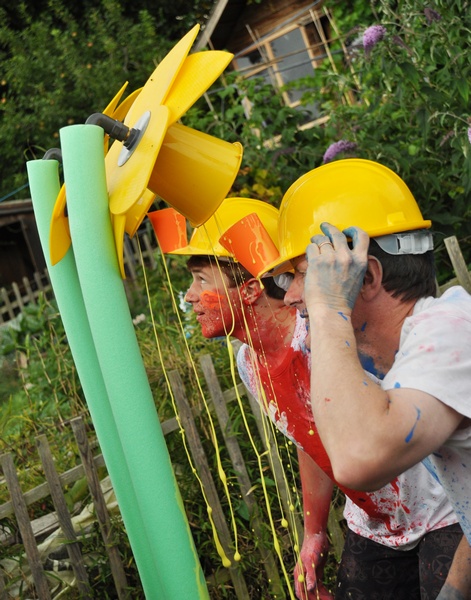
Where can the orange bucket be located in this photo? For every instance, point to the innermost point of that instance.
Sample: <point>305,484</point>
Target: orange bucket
<point>170,229</point>
<point>250,244</point>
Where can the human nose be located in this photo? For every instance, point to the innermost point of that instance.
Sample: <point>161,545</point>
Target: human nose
<point>294,295</point>
<point>191,296</point>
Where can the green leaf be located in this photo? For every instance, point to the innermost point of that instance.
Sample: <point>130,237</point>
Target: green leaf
<point>463,88</point>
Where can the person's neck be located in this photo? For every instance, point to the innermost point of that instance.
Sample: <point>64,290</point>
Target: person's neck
<point>378,331</point>
<point>268,331</point>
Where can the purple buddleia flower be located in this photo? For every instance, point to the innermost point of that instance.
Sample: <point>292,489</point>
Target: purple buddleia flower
<point>431,15</point>
<point>469,134</point>
<point>337,148</point>
<point>372,36</point>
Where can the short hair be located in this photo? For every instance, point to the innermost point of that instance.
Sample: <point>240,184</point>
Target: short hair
<point>406,276</point>
<point>236,274</point>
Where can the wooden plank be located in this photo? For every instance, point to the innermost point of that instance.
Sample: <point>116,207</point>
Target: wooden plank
<point>200,460</point>
<point>242,474</point>
<point>38,280</point>
<point>7,303</point>
<point>17,293</point>
<point>24,525</point>
<point>229,396</point>
<point>3,594</point>
<point>42,491</point>
<point>31,296</point>
<point>459,265</point>
<point>65,520</point>
<point>128,258</point>
<point>101,511</point>
<point>149,251</point>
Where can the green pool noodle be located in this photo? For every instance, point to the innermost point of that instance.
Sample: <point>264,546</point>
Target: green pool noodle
<point>44,186</point>
<point>123,370</point>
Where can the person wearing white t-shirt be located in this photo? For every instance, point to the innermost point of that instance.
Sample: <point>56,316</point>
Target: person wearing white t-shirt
<point>369,290</point>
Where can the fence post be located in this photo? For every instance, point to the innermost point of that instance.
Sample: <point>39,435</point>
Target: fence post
<point>7,303</point>
<point>101,510</point>
<point>241,470</point>
<point>24,525</point>
<point>458,262</point>
<point>29,290</point>
<point>200,459</point>
<point>65,521</point>
<point>3,594</point>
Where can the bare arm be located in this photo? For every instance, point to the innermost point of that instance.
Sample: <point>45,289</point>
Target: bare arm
<point>317,493</point>
<point>458,582</point>
<point>370,435</point>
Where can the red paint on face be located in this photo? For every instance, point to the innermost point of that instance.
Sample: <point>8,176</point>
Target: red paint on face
<point>211,299</point>
<point>214,314</point>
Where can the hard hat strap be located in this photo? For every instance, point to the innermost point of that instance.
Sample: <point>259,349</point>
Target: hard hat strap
<point>409,242</point>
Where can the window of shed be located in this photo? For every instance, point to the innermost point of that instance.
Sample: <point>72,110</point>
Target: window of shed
<point>284,58</point>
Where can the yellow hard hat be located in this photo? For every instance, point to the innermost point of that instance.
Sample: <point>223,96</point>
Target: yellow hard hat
<point>205,239</point>
<point>345,193</point>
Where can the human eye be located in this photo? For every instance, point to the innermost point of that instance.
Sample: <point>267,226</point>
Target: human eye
<point>284,280</point>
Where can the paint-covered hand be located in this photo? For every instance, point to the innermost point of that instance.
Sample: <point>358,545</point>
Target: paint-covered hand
<point>309,570</point>
<point>335,271</point>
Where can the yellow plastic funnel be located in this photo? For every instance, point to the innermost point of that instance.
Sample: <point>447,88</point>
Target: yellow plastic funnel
<point>194,172</point>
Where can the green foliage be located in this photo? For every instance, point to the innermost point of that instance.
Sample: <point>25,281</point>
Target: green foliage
<point>405,104</point>
<point>58,70</point>
<point>410,107</point>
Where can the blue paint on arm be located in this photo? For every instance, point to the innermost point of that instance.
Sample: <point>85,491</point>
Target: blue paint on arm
<point>343,316</point>
<point>411,432</point>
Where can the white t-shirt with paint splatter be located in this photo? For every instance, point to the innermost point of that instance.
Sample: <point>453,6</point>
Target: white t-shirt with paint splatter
<point>434,356</point>
<point>399,514</point>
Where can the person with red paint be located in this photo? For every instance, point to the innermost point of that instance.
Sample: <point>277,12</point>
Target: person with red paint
<point>274,365</point>
<point>228,300</point>
<point>367,286</point>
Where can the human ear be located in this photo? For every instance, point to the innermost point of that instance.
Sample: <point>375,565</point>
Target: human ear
<point>250,291</point>
<point>372,280</point>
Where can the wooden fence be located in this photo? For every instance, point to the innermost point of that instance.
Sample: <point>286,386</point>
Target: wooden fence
<point>54,483</point>
<point>14,298</point>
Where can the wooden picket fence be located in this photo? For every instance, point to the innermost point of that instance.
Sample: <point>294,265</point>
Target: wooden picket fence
<point>19,294</point>
<point>54,483</point>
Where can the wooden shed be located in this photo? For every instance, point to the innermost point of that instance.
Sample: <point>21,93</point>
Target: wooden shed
<point>278,40</point>
<point>20,248</point>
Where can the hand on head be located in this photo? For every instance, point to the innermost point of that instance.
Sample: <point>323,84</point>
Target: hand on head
<point>335,271</point>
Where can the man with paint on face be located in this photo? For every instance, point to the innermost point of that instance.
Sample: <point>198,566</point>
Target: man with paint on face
<point>371,302</point>
<point>228,300</point>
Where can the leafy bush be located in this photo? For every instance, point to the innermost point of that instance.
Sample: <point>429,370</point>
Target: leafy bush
<point>402,101</point>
